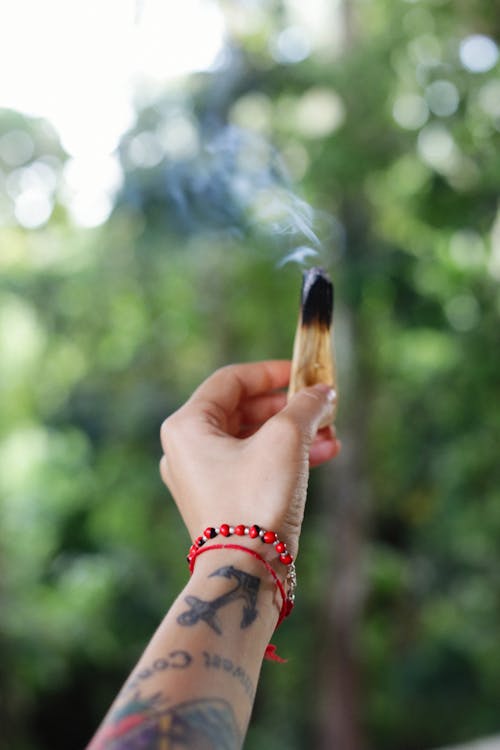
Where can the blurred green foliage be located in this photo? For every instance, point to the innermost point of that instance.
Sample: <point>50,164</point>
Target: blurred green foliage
<point>105,331</point>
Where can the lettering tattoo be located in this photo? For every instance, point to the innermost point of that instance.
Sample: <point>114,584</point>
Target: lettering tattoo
<point>246,588</point>
<point>174,660</point>
<point>180,660</point>
<point>207,724</point>
<point>215,661</point>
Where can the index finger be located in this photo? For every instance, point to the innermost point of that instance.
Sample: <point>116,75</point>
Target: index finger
<point>227,387</point>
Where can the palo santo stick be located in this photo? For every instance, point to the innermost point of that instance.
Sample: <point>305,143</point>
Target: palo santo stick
<point>313,358</point>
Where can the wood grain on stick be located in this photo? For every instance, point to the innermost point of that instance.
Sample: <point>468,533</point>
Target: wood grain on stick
<point>313,359</point>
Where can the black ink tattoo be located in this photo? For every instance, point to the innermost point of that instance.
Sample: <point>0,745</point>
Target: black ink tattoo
<point>246,588</point>
<point>197,725</point>
<point>174,660</point>
<point>215,661</point>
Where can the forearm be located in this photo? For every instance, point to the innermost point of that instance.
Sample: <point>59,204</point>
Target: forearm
<point>194,685</point>
<point>231,445</point>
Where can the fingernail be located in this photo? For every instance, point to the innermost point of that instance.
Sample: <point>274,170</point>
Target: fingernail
<point>331,394</point>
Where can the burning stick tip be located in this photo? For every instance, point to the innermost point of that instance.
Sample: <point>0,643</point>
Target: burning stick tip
<point>317,298</point>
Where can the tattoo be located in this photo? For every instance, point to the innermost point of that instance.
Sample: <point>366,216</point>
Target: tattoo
<point>174,660</point>
<point>197,725</point>
<point>246,588</point>
<point>124,720</point>
<point>214,661</point>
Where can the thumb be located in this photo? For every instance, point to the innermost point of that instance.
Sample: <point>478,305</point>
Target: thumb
<point>311,408</point>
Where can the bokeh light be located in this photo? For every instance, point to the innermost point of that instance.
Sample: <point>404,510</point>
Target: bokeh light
<point>292,45</point>
<point>145,150</point>
<point>16,147</point>
<point>489,99</point>
<point>437,147</point>
<point>467,248</point>
<point>442,97</point>
<point>89,201</point>
<point>179,136</point>
<point>253,111</point>
<point>319,112</point>
<point>478,53</point>
<point>33,208</point>
<point>463,312</point>
<point>410,111</point>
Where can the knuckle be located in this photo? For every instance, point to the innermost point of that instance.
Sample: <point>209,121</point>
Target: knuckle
<point>169,429</point>
<point>226,373</point>
<point>165,428</point>
<point>179,428</point>
<point>164,469</point>
<point>223,371</point>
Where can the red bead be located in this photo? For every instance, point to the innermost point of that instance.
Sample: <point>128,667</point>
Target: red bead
<point>240,530</point>
<point>209,532</point>
<point>281,548</point>
<point>199,541</point>
<point>269,537</point>
<point>254,531</point>
<point>224,529</point>
<point>286,559</point>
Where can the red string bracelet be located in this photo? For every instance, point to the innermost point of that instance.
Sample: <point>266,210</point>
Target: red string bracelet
<point>287,603</point>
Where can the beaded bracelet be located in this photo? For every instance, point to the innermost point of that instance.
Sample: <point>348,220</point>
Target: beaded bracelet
<point>254,532</point>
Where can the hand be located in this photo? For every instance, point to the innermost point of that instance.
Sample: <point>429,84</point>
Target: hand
<point>236,453</point>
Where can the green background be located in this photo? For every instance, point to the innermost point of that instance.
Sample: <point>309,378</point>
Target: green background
<point>394,643</point>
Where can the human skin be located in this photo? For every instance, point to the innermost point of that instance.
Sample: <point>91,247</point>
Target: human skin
<point>234,453</point>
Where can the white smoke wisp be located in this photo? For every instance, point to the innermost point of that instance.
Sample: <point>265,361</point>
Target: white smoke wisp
<point>233,182</point>
<point>259,182</point>
<point>299,255</point>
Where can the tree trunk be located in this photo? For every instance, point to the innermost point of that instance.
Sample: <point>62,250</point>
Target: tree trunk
<point>346,504</point>
<point>345,501</point>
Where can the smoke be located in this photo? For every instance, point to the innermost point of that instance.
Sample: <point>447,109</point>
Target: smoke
<point>235,182</point>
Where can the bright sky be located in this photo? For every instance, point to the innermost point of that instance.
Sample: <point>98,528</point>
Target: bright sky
<point>79,62</point>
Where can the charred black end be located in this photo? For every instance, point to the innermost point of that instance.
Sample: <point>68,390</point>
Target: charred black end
<point>317,298</point>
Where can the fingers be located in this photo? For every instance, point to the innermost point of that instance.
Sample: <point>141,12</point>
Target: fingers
<point>253,413</point>
<point>227,387</point>
<point>324,447</point>
<point>235,400</point>
<point>257,410</point>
